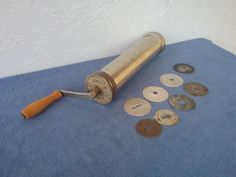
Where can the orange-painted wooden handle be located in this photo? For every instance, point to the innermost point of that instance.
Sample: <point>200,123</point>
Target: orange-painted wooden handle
<point>38,106</point>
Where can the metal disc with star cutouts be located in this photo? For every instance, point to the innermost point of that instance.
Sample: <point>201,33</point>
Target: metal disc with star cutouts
<point>195,89</point>
<point>182,102</point>
<point>183,68</point>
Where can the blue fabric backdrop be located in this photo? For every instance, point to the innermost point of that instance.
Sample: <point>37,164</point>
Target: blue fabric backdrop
<point>79,138</point>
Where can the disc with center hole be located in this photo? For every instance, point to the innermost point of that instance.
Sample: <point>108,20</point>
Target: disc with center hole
<point>137,107</point>
<point>166,117</point>
<point>171,80</point>
<point>196,89</point>
<point>184,68</point>
<point>181,102</point>
<point>155,94</point>
<point>148,128</point>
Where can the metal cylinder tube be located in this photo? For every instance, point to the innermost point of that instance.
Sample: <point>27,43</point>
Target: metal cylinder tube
<point>115,74</point>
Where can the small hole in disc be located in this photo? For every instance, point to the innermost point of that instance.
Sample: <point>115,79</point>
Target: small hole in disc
<point>196,88</point>
<point>166,116</point>
<point>181,102</point>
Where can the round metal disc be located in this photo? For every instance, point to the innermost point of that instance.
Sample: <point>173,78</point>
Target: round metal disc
<point>148,128</point>
<point>196,89</point>
<point>137,107</point>
<point>184,68</point>
<point>96,81</point>
<point>171,80</point>
<point>181,102</point>
<point>155,94</point>
<point>166,117</point>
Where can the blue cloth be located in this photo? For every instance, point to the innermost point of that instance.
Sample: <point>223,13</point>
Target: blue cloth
<point>80,138</point>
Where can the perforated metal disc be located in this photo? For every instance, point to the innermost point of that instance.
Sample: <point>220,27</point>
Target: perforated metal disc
<point>96,81</point>
<point>171,80</point>
<point>148,128</point>
<point>155,94</point>
<point>196,89</point>
<point>137,107</point>
<point>184,68</point>
<point>181,102</point>
<point>166,117</point>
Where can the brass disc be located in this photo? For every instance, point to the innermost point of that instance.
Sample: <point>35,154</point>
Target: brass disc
<point>137,107</point>
<point>99,81</point>
<point>155,94</point>
<point>166,117</point>
<point>196,89</point>
<point>184,68</point>
<point>148,128</point>
<point>181,102</point>
<point>171,80</point>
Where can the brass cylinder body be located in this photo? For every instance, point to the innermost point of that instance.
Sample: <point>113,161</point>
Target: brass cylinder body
<point>115,74</point>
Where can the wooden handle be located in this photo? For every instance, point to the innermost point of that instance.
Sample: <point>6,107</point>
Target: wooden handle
<point>38,106</point>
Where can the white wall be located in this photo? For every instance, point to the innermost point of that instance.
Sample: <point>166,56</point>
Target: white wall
<point>36,34</point>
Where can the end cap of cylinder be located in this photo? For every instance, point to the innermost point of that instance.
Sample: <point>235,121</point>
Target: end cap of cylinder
<point>104,83</point>
<point>159,36</point>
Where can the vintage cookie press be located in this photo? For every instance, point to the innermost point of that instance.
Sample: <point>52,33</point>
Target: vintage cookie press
<point>103,85</point>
